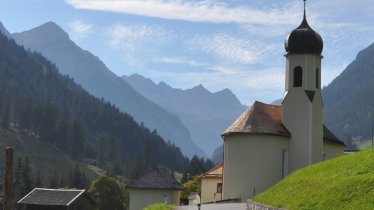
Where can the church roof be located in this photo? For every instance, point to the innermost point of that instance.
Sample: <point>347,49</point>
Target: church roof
<point>157,178</point>
<point>263,118</point>
<point>260,118</point>
<point>304,40</point>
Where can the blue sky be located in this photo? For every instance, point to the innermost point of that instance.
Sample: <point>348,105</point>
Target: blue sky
<point>220,44</point>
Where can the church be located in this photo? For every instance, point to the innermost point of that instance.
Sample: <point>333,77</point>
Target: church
<point>267,142</point>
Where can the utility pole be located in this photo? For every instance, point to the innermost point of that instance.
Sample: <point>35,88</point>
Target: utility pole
<point>8,179</point>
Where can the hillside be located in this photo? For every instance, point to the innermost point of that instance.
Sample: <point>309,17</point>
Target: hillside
<point>346,182</point>
<point>43,157</point>
<point>36,98</point>
<point>349,99</point>
<point>90,72</point>
<point>205,114</point>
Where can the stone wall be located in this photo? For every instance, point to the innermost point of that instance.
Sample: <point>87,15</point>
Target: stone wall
<point>251,205</point>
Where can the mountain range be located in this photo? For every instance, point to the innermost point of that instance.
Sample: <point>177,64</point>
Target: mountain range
<point>192,119</point>
<point>90,72</point>
<point>349,99</point>
<point>205,114</point>
<point>56,123</point>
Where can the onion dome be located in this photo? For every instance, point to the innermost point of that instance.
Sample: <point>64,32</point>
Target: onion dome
<point>303,40</point>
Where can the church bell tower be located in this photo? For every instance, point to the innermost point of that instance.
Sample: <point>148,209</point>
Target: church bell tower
<point>302,103</point>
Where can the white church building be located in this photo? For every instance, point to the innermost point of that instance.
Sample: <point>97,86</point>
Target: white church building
<point>267,142</point>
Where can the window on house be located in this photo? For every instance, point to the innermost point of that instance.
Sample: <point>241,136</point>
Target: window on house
<point>298,76</point>
<point>219,187</point>
<point>317,77</point>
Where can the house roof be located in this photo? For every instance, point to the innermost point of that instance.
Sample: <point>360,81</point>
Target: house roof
<point>51,197</point>
<point>263,118</point>
<point>157,178</point>
<point>329,137</point>
<point>193,196</point>
<point>260,118</point>
<point>215,172</point>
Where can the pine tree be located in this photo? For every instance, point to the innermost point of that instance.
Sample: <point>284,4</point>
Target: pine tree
<point>54,181</point>
<point>18,182</point>
<point>27,176</point>
<point>38,180</point>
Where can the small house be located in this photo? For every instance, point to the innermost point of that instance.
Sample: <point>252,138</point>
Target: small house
<point>193,198</point>
<point>57,199</point>
<point>211,184</point>
<point>156,186</point>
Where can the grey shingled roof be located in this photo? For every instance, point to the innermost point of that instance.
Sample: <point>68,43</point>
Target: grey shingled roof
<point>263,118</point>
<point>260,118</point>
<point>51,197</point>
<point>157,178</point>
<point>329,137</point>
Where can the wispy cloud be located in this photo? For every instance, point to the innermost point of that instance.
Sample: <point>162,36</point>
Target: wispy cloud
<point>80,29</point>
<point>230,48</point>
<point>180,60</point>
<point>137,42</point>
<point>195,11</point>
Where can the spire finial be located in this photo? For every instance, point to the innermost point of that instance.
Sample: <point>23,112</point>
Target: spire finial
<point>304,9</point>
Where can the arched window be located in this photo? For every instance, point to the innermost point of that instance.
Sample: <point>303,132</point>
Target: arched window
<point>317,77</point>
<point>298,76</point>
<point>284,163</point>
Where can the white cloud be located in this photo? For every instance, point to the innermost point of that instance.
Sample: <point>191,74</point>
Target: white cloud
<point>195,11</point>
<point>230,49</point>
<point>80,29</point>
<point>137,42</point>
<point>180,60</point>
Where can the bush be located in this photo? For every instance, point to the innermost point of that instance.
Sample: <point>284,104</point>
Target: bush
<point>159,206</point>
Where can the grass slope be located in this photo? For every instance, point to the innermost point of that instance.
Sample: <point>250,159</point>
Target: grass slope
<point>346,182</point>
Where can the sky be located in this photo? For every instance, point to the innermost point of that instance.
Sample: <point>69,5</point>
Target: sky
<point>220,44</point>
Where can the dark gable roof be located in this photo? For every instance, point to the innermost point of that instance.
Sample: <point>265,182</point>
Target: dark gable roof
<point>260,118</point>
<point>157,178</point>
<point>263,118</point>
<point>51,197</point>
<point>329,137</point>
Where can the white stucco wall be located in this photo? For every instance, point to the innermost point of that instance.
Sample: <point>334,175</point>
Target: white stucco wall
<point>253,163</point>
<point>208,188</point>
<point>303,118</point>
<point>140,199</point>
<point>332,150</point>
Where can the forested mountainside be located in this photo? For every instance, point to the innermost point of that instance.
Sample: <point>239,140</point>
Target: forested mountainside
<point>349,99</point>
<point>205,114</point>
<point>90,72</point>
<point>37,100</point>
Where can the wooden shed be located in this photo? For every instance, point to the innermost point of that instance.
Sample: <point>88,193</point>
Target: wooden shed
<point>57,199</point>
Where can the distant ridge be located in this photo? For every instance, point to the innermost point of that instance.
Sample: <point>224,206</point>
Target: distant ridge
<point>4,30</point>
<point>349,99</point>
<point>90,72</point>
<point>205,114</point>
